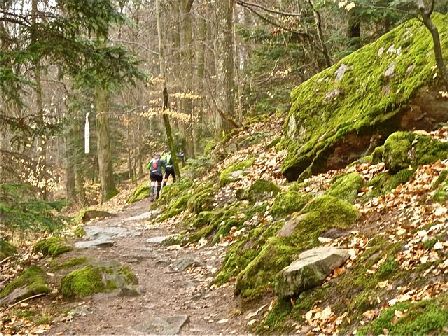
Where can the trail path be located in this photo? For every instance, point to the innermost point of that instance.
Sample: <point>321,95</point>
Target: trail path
<point>172,299</point>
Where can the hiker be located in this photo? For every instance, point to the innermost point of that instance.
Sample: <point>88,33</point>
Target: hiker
<point>169,169</point>
<point>156,167</point>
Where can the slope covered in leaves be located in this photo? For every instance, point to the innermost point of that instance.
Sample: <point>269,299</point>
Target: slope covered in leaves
<point>365,94</point>
<point>393,221</point>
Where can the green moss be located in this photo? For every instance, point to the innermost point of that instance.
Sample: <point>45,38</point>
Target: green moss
<point>128,275</point>
<point>275,318</point>
<point>225,176</point>
<point>70,263</point>
<point>6,249</point>
<point>404,149</point>
<point>141,192</point>
<point>201,199</point>
<point>325,110</point>
<point>82,282</point>
<point>440,188</point>
<point>419,318</point>
<point>387,268</point>
<point>384,182</point>
<point>321,214</point>
<point>262,189</point>
<point>289,202</point>
<point>346,187</point>
<point>175,207</point>
<point>172,192</point>
<point>33,279</point>
<point>79,231</point>
<point>52,247</point>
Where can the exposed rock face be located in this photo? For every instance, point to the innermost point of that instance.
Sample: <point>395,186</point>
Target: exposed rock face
<point>386,86</point>
<point>310,270</point>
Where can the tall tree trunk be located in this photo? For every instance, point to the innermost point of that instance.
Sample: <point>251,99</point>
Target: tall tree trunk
<point>162,70</point>
<point>227,63</point>
<point>108,189</point>
<point>70,183</point>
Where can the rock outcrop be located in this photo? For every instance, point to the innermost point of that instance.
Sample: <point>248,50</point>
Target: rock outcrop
<point>310,270</point>
<point>348,109</point>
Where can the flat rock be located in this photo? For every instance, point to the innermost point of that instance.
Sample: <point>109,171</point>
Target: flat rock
<point>158,239</point>
<point>106,232</point>
<point>288,228</point>
<point>143,216</point>
<point>94,243</point>
<point>163,325</point>
<point>310,270</point>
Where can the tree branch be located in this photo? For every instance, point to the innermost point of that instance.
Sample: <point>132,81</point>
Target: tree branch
<point>269,10</point>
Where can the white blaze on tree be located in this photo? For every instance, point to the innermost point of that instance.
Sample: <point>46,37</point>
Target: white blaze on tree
<point>87,135</point>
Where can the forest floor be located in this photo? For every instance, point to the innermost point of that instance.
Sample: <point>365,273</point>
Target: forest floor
<point>175,285</point>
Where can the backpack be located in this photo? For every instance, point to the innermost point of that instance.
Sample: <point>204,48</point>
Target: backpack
<point>155,166</point>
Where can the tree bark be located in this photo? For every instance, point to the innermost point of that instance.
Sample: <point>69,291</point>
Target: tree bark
<point>108,189</point>
<point>226,67</point>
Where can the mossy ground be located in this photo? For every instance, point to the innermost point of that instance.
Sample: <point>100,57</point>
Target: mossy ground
<point>52,247</point>
<point>346,187</point>
<point>225,176</point>
<point>33,278</point>
<point>6,249</point>
<point>288,202</point>
<point>383,183</point>
<point>261,190</point>
<point>419,318</point>
<point>141,192</point>
<point>324,109</point>
<point>67,264</point>
<point>440,188</point>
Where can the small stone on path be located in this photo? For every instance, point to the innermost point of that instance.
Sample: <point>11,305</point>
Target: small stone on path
<point>159,325</point>
<point>94,243</point>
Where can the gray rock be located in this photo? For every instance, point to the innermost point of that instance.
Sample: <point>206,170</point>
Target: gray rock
<point>14,296</point>
<point>236,175</point>
<point>182,264</point>
<point>106,232</point>
<point>341,71</point>
<point>129,291</point>
<point>163,325</point>
<point>94,243</point>
<point>288,228</point>
<point>310,270</point>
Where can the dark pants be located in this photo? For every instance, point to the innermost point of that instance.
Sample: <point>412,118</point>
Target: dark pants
<point>170,171</point>
<point>156,184</point>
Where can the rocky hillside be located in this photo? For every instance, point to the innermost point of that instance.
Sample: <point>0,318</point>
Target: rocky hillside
<point>359,243</point>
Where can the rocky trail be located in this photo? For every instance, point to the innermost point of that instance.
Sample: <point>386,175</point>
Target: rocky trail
<point>173,294</point>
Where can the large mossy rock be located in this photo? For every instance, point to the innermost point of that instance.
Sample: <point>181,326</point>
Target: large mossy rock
<point>318,216</point>
<point>384,86</point>
<point>31,281</point>
<point>52,247</point>
<point>92,279</point>
<point>6,249</point>
<point>310,270</point>
<point>346,187</point>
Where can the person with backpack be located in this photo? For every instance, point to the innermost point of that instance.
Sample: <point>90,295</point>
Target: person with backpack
<point>169,169</point>
<point>156,167</point>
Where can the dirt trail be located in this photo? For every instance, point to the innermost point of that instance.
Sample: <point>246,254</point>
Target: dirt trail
<point>164,291</point>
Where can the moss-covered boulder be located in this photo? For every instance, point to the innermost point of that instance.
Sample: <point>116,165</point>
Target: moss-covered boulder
<point>234,172</point>
<point>141,192</point>
<point>31,281</point>
<point>404,149</point>
<point>6,249</point>
<point>288,202</point>
<point>91,279</point>
<point>335,114</point>
<point>52,247</point>
<point>319,215</point>
<point>346,187</point>
<point>67,264</point>
<point>261,190</point>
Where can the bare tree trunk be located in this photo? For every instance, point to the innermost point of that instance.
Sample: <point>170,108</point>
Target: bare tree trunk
<point>226,66</point>
<point>108,189</point>
<point>166,120</point>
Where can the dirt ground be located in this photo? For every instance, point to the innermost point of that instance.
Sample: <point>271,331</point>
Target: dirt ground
<point>165,292</point>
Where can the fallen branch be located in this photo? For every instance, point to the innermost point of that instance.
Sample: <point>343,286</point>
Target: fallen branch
<point>24,300</point>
